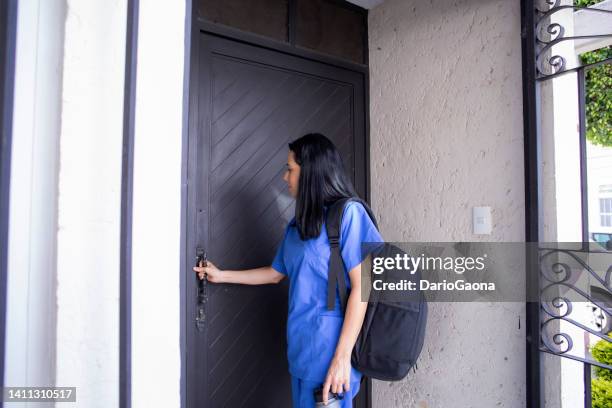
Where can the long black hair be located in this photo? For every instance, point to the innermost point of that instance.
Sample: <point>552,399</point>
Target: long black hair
<point>323,180</point>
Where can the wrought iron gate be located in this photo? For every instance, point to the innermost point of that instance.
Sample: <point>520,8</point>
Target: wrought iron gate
<point>562,269</point>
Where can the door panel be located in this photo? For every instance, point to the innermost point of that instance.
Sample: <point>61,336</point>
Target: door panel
<point>250,103</point>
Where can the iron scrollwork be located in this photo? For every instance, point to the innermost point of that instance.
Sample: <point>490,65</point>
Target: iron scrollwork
<point>549,33</point>
<point>567,280</point>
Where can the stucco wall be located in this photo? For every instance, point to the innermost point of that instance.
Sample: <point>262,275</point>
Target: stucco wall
<point>31,296</point>
<point>89,200</point>
<point>156,360</point>
<point>446,135</point>
<point>561,204</point>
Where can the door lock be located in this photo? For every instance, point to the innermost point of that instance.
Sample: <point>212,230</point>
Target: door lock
<point>202,292</point>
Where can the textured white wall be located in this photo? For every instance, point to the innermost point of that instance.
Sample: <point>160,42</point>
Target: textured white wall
<point>156,362</point>
<point>89,201</point>
<point>447,135</point>
<point>31,296</point>
<point>561,203</point>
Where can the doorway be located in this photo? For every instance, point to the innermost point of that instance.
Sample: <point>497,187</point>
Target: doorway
<point>248,101</point>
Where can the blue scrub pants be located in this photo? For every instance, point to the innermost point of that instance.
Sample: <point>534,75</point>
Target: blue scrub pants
<point>302,392</point>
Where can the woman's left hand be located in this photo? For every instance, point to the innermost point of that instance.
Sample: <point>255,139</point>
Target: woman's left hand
<point>338,376</point>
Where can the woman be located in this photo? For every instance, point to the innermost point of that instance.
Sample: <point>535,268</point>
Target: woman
<point>319,341</point>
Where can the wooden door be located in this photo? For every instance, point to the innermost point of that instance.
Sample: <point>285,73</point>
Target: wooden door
<point>249,102</point>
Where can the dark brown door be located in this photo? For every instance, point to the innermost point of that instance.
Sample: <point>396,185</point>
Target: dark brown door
<point>248,103</point>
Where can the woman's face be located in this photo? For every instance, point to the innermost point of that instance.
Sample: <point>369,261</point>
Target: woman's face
<point>292,174</point>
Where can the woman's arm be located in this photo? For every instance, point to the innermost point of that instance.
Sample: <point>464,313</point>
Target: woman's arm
<point>257,276</point>
<point>339,373</point>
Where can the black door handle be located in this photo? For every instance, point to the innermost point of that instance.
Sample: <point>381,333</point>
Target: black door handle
<point>201,295</point>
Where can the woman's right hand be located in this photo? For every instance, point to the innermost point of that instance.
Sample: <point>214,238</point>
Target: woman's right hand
<point>213,274</point>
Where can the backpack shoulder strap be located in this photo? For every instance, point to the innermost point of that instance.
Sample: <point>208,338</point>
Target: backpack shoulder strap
<point>336,264</point>
<point>334,216</point>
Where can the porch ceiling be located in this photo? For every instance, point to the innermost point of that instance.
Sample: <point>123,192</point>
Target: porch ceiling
<point>366,4</point>
<point>589,23</point>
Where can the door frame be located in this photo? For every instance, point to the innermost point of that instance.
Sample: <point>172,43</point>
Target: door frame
<point>127,184</point>
<point>534,397</point>
<point>194,26</point>
<point>8,42</point>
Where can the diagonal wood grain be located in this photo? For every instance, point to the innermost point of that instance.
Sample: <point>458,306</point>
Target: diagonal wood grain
<point>255,109</point>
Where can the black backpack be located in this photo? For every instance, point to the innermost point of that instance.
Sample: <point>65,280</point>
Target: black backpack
<point>392,334</point>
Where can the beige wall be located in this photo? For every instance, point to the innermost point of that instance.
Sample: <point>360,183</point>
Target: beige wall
<point>447,135</point>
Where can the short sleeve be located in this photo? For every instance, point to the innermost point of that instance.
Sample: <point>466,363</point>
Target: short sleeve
<point>357,227</point>
<point>279,263</point>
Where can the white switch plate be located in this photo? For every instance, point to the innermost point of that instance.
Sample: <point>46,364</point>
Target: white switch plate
<point>481,219</point>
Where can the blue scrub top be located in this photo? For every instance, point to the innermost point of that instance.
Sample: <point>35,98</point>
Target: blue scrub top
<point>312,330</point>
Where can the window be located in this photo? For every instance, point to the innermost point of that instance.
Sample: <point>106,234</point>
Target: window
<point>605,211</point>
<point>605,188</point>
